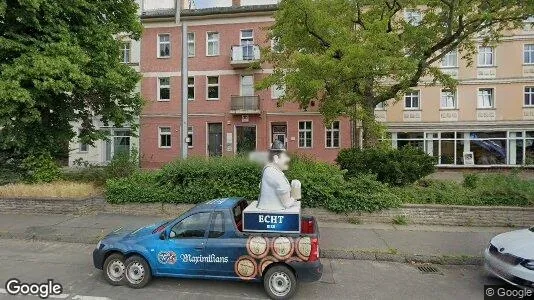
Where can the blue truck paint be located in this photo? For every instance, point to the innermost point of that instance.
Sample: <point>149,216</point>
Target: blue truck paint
<point>217,254</point>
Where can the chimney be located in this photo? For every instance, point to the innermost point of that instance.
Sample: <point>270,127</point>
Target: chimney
<point>236,3</point>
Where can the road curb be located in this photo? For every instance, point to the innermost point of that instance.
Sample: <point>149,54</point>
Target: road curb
<point>353,254</point>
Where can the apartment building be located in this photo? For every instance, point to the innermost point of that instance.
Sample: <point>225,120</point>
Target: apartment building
<point>227,115</point>
<point>487,120</point>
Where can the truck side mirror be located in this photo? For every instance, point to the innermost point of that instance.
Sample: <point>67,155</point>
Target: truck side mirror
<point>162,235</point>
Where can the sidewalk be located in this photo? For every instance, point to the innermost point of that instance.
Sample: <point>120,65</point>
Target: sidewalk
<point>402,243</point>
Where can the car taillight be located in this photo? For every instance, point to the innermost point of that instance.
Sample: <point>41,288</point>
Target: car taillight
<point>314,254</point>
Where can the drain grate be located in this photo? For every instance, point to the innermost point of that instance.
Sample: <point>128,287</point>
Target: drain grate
<point>428,269</point>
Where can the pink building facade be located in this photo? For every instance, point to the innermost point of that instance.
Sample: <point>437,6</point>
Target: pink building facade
<point>227,116</point>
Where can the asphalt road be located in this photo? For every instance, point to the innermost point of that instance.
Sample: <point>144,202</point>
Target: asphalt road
<point>71,265</point>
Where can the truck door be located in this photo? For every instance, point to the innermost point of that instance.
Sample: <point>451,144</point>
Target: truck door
<point>182,252</point>
<point>223,245</point>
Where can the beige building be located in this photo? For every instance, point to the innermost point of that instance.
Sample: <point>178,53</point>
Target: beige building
<point>487,120</point>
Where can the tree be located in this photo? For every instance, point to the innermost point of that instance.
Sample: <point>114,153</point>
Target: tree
<point>60,63</point>
<point>351,55</point>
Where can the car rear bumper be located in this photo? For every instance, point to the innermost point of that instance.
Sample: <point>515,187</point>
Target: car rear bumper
<point>98,258</point>
<point>513,274</point>
<point>308,271</point>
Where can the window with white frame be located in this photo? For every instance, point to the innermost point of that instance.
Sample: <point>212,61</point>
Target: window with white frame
<point>213,87</point>
<point>278,91</point>
<point>529,96</point>
<point>413,16</point>
<point>486,98</point>
<point>275,45</point>
<point>332,135</point>
<point>164,45</point>
<point>528,24</point>
<point>448,99</point>
<point>528,54</point>
<point>191,88</point>
<point>164,89</point>
<point>305,134</point>
<point>191,44</point>
<point>381,106</point>
<point>126,52</point>
<point>190,136</point>
<point>411,100</point>
<point>486,56</point>
<point>450,60</point>
<point>165,140</point>
<point>212,44</point>
<point>82,147</point>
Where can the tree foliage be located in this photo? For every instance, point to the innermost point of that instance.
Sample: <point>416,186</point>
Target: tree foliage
<point>351,55</point>
<point>59,63</point>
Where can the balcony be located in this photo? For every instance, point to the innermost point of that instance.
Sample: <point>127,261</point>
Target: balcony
<point>245,105</point>
<point>243,56</point>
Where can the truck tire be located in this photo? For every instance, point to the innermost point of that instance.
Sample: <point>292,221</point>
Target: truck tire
<point>137,272</point>
<point>280,283</point>
<point>114,269</point>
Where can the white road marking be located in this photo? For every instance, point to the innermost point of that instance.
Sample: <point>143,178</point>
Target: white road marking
<point>65,296</point>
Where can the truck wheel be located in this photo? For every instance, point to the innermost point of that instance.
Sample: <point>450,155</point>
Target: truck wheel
<point>280,283</point>
<point>137,272</point>
<point>114,269</point>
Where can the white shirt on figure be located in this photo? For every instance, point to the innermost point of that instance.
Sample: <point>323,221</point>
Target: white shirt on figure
<point>275,190</point>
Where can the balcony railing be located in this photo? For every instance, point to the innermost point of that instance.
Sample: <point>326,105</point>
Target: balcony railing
<point>245,105</point>
<point>243,55</point>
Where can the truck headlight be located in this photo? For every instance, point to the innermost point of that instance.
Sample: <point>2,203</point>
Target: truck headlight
<point>529,264</point>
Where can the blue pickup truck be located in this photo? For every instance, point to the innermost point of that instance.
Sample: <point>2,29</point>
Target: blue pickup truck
<point>208,242</point>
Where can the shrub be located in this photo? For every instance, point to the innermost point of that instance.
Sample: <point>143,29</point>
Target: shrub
<point>140,187</point>
<point>400,220</point>
<point>398,167</point>
<point>363,193</point>
<point>198,179</point>
<point>41,168</point>
<point>122,165</point>
<point>471,180</point>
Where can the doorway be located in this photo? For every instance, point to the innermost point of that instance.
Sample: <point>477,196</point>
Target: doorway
<point>247,44</point>
<point>215,139</point>
<point>245,139</point>
<point>279,133</point>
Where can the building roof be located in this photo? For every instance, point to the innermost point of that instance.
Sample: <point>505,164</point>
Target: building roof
<point>212,11</point>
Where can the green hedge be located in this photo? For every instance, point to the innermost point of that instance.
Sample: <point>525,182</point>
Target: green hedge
<point>197,179</point>
<point>486,190</point>
<point>396,167</point>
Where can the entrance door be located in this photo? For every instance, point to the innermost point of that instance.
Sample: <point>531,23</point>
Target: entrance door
<point>215,139</point>
<point>245,139</point>
<point>279,133</point>
<point>247,44</point>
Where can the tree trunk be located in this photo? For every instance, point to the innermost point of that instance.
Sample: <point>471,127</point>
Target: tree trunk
<point>371,128</point>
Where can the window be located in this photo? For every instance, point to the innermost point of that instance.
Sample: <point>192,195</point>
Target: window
<point>305,134</point>
<point>529,96</point>
<point>411,100</point>
<point>125,52</point>
<point>332,135</point>
<point>413,17</point>
<point>486,98</point>
<point>381,106</point>
<point>212,44</point>
<point>165,137</point>
<point>191,44</point>
<point>191,88</point>
<point>275,45</point>
<point>529,54</point>
<point>193,226</point>
<point>164,89</point>
<point>486,56</point>
<point>81,146</point>
<point>528,24</point>
<point>278,91</point>
<point>213,87</point>
<point>450,60</point>
<point>217,225</point>
<point>448,99</point>
<point>190,136</point>
<point>164,45</point>
<point>118,141</point>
